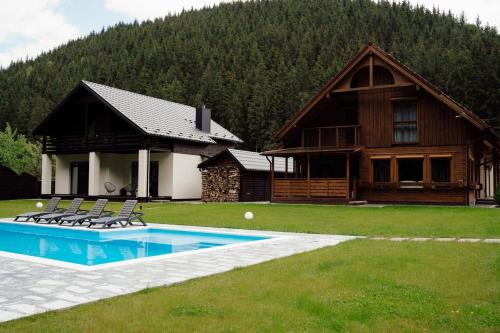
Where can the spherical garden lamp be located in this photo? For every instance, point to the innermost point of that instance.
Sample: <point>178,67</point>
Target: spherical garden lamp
<point>248,215</point>
<point>39,204</point>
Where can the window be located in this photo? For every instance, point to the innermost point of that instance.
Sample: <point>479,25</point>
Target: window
<point>440,170</point>
<point>405,122</point>
<point>410,173</point>
<point>382,171</point>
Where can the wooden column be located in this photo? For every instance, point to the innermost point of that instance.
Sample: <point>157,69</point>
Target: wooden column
<point>348,176</point>
<point>286,167</point>
<point>308,175</point>
<point>371,71</point>
<point>272,177</point>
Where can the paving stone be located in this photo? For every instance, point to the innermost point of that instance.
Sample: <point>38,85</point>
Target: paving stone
<point>469,240</point>
<point>78,290</point>
<point>54,305</point>
<point>420,239</point>
<point>398,239</point>
<point>443,239</point>
<point>492,240</point>
<point>23,308</point>
<point>8,315</point>
<point>41,290</point>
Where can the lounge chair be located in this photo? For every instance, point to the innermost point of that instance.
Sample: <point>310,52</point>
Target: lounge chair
<point>124,218</point>
<point>85,216</point>
<point>73,209</point>
<point>50,208</point>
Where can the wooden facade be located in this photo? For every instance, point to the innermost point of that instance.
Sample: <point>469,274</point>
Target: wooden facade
<point>379,132</point>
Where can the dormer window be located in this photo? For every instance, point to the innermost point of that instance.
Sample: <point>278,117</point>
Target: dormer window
<point>405,122</point>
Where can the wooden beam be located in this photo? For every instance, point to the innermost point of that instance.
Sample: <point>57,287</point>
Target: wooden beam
<point>308,175</point>
<point>272,177</point>
<point>348,174</point>
<point>371,71</point>
<point>286,167</point>
<point>399,85</point>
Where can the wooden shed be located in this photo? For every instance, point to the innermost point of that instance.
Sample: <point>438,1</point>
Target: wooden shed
<point>239,175</point>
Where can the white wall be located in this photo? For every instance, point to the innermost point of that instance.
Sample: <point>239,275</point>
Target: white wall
<point>63,171</point>
<point>186,176</point>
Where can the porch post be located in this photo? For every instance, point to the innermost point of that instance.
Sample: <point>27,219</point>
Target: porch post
<point>46,174</point>
<point>272,177</point>
<point>94,174</point>
<point>348,176</point>
<point>142,174</point>
<point>308,175</point>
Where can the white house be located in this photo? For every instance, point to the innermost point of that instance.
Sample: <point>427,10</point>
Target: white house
<point>103,139</point>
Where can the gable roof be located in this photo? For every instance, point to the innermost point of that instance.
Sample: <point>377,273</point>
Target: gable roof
<point>154,116</point>
<point>250,161</point>
<point>403,69</point>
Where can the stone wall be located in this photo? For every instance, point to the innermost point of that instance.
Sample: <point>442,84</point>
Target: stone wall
<point>221,183</point>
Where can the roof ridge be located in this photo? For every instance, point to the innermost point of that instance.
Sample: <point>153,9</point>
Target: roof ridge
<point>134,93</point>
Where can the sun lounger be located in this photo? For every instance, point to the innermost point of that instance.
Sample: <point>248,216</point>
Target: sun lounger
<point>50,208</point>
<point>96,212</point>
<point>124,218</point>
<point>73,209</point>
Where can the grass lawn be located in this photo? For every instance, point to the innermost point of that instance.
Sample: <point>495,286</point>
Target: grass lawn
<point>361,286</point>
<point>370,221</point>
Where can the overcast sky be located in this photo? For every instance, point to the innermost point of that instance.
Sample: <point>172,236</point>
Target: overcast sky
<point>28,27</point>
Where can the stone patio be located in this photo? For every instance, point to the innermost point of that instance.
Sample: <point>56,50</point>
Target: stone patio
<point>29,287</point>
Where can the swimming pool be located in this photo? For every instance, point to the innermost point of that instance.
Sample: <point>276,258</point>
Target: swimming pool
<point>92,247</point>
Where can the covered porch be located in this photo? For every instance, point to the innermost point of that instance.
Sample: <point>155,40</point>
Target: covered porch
<point>144,174</point>
<point>319,175</point>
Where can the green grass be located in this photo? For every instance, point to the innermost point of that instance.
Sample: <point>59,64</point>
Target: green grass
<point>421,221</point>
<point>358,286</point>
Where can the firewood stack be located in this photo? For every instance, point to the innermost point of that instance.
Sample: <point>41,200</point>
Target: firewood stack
<point>221,184</point>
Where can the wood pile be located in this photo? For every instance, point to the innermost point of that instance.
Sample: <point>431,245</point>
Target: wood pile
<point>221,184</point>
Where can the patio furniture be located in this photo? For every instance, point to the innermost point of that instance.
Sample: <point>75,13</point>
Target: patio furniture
<point>109,187</point>
<point>73,209</point>
<point>50,208</point>
<point>96,212</point>
<point>124,218</point>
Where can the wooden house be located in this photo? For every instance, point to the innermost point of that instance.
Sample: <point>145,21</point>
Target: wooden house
<point>379,132</point>
<point>239,175</point>
<point>108,141</point>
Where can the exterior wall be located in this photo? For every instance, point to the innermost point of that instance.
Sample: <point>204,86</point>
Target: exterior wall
<point>221,183</point>
<point>186,176</point>
<point>63,171</point>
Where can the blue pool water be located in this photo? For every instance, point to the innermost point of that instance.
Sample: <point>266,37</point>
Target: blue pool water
<point>94,248</point>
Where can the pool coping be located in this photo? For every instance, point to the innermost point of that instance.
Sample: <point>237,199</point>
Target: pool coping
<point>85,268</point>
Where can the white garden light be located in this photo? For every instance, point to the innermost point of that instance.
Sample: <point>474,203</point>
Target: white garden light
<point>248,215</point>
<point>39,204</point>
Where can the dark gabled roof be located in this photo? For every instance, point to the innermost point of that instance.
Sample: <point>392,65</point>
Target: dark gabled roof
<point>249,161</point>
<point>391,60</point>
<point>154,116</point>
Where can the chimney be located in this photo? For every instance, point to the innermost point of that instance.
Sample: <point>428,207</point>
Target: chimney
<point>203,118</point>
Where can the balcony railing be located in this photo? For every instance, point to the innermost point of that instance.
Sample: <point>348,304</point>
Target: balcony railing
<point>68,144</point>
<point>332,136</point>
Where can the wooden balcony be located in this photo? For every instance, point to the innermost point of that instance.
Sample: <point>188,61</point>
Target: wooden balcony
<point>331,137</point>
<point>286,188</point>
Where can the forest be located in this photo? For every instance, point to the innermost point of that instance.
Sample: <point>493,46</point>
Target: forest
<point>256,63</point>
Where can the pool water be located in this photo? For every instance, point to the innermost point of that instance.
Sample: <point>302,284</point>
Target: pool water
<point>91,248</point>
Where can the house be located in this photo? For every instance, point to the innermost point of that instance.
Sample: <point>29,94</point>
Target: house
<point>379,132</point>
<point>108,141</point>
<point>240,175</point>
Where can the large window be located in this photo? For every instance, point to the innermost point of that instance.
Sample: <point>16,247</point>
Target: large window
<point>405,122</point>
<point>382,171</point>
<point>410,173</point>
<point>440,170</point>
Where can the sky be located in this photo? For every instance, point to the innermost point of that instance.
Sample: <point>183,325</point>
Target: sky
<point>29,27</point>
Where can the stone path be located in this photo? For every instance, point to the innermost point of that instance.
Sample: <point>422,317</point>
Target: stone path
<point>439,239</point>
<point>28,287</point>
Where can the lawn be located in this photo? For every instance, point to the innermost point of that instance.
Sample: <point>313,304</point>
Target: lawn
<point>361,285</point>
<point>421,221</point>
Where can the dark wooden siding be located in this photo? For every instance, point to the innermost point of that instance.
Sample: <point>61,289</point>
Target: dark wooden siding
<point>255,186</point>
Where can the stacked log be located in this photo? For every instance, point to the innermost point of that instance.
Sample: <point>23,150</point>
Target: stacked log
<point>221,184</point>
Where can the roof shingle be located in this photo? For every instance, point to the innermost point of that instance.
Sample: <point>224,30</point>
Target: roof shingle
<point>160,117</point>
